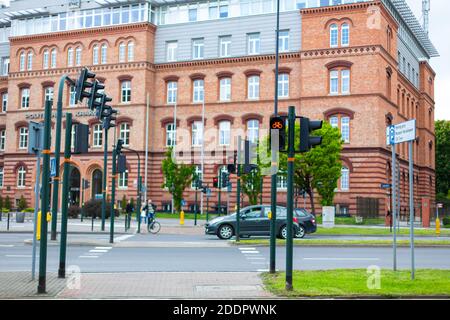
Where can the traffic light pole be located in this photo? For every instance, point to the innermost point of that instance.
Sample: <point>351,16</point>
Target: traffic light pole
<point>273,181</point>
<point>196,205</point>
<point>219,184</point>
<point>290,193</point>
<point>139,185</point>
<point>238,202</point>
<point>45,197</point>
<point>65,193</point>
<point>105,169</point>
<point>113,196</point>
<point>56,179</point>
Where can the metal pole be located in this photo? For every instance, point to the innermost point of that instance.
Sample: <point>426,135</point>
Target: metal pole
<point>138,200</point>
<point>36,209</point>
<point>105,170</point>
<point>219,181</point>
<point>411,207</point>
<point>273,181</point>
<point>394,205</point>
<point>82,199</point>
<point>207,208</point>
<point>238,191</point>
<point>138,211</point>
<point>45,197</point>
<point>146,154</point>
<point>113,196</point>
<point>203,149</point>
<point>196,205</point>
<point>175,138</point>
<point>65,193</point>
<point>290,204</point>
<point>56,179</point>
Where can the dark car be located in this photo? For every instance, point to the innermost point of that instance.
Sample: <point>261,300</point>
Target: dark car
<point>254,221</point>
<point>307,222</point>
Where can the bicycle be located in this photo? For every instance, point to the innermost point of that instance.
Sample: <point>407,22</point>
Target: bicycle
<point>153,226</point>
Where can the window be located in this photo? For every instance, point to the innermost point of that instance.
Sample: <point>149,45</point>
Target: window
<point>170,135</point>
<point>345,77</point>
<point>345,35</point>
<point>70,57</point>
<point>172,51</point>
<point>130,51</point>
<point>22,62</point>
<point>4,101</point>
<point>2,140</point>
<point>72,140</point>
<point>30,61</point>
<point>213,12</point>
<point>78,56</point>
<point>21,177</point>
<point>253,130</point>
<point>281,181</point>
<point>172,89</point>
<point>122,49</point>
<point>125,133</point>
<point>343,123</point>
<point>253,87</point>
<point>95,55</point>
<point>198,48</point>
<point>125,91</point>
<point>5,66</point>
<point>334,35</point>
<point>225,46</point>
<point>72,94</point>
<point>192,14</point>
<point>283,41</point>
<point>123,180</point>
<point>104,53</point>
<point>53,58</point>
<point>345,179</point>
<point>253,43</point>
<point>198,173</point>
<point>223,11</point>
<point>98,136</point>
<point>199,91</point>
<point>283,85</point>
<point>23,138</point>
<point>1,177</point>
<point>25,98</point>
<point>224,133</point>
<point>48,94</point>
<point>45,59</point>
<point>225,89</point>
<point>197,133</point>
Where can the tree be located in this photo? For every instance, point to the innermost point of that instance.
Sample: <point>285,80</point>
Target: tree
<point>177,177</point>
<point>8,203</point>
<point>320,168</point>
<point>22,205</point>
<point>251,185</point>
<point>442,157</point>
<point>123,203</point>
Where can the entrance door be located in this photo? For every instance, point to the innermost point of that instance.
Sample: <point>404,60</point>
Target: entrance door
<point>97,182</point>
<point>75,185</point>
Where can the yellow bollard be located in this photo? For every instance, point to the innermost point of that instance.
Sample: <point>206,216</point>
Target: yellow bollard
<point>182,218</point>
<point>269,215</point>
<point>38,227</point>
<point>438,227</point>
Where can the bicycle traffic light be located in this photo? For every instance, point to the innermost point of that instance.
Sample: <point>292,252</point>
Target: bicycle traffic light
<point>306,127</point>
<point>224,179</point>
<point>279,123</point>
<point>82,84</point>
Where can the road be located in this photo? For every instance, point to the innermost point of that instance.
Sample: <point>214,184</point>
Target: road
<point>175,253</point>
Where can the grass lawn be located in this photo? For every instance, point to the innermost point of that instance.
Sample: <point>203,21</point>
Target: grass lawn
<point>331,242</point>
<point>347,283</point>
<point>189,216</point>
<point>377,231</point>
<point>352,221</point>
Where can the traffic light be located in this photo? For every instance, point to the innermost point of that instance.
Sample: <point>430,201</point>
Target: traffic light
<point>215,182</point>
<point>306,127</point>
<point>109,115</point>
<point>95,95</point>
<point>250,156</point>
<point>279,123</point>
<point>81,143</point>
<point>119,146</point>
<point>121,163</point>
<point>103,106</point>
<point>231,168</point>
<point>82,84</point>
<point>224,179</point>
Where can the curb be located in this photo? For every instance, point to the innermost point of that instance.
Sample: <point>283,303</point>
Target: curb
<point>345,245</point>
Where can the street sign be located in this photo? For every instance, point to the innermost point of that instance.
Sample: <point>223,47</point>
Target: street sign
<point>99,196</point>
<point>440,205</point>
<point>183,202</point>
<point>402,132</point>
<point>386,186</point>
<point>52,167</point>
<point>208,192</point>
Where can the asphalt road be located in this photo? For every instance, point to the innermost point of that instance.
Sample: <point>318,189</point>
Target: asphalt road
<point>16,256</point>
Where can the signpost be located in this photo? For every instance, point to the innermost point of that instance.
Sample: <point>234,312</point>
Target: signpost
<point>396,134</point>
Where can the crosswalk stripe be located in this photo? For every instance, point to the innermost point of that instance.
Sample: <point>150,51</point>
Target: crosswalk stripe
<point>247,249</point>
<point>98,251</point>
<point>103,248</point>
<point>250,252</point>
<point>83,257</point>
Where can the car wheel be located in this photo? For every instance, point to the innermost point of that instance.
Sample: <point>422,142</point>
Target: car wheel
<point>225,232</point>
<point>283,232</point>
<point>300,232</point>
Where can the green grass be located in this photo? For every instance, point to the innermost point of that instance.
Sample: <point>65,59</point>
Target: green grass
<point>331,242</point>
<point>352,221</point>
<point>349,231</point>
<point>348,283</point>
<point>188,216</point>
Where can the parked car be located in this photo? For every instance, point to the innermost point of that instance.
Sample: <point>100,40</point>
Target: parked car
<point>306,221</point>
<point>254,221</point>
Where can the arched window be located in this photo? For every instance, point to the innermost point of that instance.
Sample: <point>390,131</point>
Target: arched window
<point>4,101</point>
<point>30,61</point>
<point>70,57</point>
<point>45,59</point>
<point>125,91</point>
<point>342,122</point>
<point>48,94</point>
<point>172,89</point>
<point>225,89</point>
<point>23,138</point>
<point>253,130</point>
<point>122,50</point>
<point>25,98</point>
<point>334,35</point>
<point>224,133</point>
<point>97,178</point>
<point>345,35</point>
<point>130,51</point>
<point>124,133</point>
<point>78,56</point>
<point>342,86</point>
<point>53,58</point>
<point>253,87</point>
<point>72,94</point>
<point>95,55</point>
<point>334,82</point>
<point>345,179</point>
<point>21,177</point>
<point>22,62</point>
<point>104,53</point>
<point>170,135</point>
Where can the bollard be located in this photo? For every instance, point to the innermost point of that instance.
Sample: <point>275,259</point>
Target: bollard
<point>438,227</point>
<point>7,225</point>
<point>182,217</point>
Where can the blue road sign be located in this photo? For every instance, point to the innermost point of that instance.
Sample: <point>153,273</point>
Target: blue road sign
<point>386,186</point>
<point>99,196</point>
<point>53,167</point>
<point>391,135</point>
<point>208,192</point>
<point>183,202</point>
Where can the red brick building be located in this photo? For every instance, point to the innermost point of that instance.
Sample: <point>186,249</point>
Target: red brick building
<point>359,66</point>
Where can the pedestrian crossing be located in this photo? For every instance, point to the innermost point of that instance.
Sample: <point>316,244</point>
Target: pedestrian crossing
<point>256,259</point>
<point>95,253</point>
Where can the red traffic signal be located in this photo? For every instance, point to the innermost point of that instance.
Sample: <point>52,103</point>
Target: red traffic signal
<point>215,182</point>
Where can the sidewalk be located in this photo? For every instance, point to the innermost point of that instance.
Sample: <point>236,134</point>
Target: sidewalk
<point>142,285</point>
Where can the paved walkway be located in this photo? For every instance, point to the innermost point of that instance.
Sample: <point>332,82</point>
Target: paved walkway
<point>145,285</point>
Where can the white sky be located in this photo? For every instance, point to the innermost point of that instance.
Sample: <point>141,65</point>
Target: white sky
<point>440,36</point>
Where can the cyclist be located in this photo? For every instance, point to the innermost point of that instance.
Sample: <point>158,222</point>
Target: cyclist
<point>149,209</point>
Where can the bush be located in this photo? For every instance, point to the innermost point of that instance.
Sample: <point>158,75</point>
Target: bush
<point>7,204</point>
<point>29,210</point>
<point>73,212</point>
<point>446,222</point>
<point>22,205</point>
<point>93,208</point>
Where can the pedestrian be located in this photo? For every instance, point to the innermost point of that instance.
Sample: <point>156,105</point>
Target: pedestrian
<point>389,217</point>
<point>129,209</point>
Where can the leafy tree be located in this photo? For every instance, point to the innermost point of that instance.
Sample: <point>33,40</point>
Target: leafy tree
<point>251,185</point>
<point>1,203</point>
<point>442,157</point>
<point>22,205</point>
<point>320,168</point>
<point>7,203</point>
<point>177,177</point>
